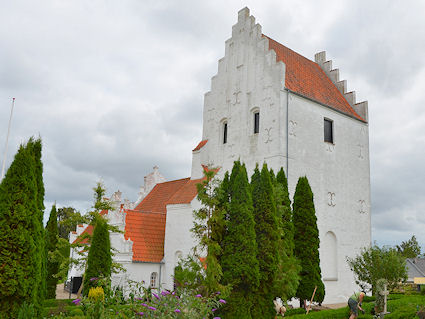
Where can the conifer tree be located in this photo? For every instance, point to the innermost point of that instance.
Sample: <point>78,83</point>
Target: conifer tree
<point>267,236</point>
<point>20,220</point>
<point>209,227</point>
<point>287,280</point>
<point>39,232</point>
<point>306,240</point>
<point>52,246</point>
<point>239,263</point>
<point>99,261</point>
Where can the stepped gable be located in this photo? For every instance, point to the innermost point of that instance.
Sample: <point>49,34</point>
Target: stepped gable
<point>145,225</point>
<point>307,78</point>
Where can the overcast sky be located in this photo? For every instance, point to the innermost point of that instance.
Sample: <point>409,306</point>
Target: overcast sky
<point>116,87</point>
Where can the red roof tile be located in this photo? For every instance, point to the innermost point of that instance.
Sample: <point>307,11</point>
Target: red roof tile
<point>200,145</point>
<point>185,194</point>
<point>147,231</point>
<point>88,230</point>
<point>306,78</point>
<point>145,225</point>
<point>157,199</point>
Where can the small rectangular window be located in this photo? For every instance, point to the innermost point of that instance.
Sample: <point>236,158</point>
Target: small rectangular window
<point>328,131</point>
<point>256,122</point>
<point>225,133</point>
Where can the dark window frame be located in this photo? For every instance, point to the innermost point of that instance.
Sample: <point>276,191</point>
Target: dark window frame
<point>256,122</point>
<point>328,131</point>
<point>225,133</point>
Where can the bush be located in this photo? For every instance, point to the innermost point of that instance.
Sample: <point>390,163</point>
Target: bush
<point>75,312</point>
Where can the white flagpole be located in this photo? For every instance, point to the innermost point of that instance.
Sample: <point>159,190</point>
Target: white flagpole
<point>7,139</point>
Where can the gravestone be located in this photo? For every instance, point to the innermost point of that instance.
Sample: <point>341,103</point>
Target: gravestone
<point>384,293</point>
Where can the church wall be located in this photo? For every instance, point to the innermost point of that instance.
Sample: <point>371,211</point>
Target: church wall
<point>179,240</point>
<point>339,177</point>
<point>248,80</point>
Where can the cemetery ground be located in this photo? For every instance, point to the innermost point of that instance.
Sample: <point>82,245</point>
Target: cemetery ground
<point>402,305</point>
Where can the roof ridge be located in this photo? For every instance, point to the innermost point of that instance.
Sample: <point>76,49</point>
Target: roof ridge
<point>289,49</point>
<point>307,78</point>
<point>416,266</point>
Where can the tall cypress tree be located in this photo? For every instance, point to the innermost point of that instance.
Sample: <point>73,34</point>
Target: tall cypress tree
<point>19,254</point>
<point>208,228</point>
<point>239,262</point>
<point>99,261</point>
<point>51,245</point>
<point>289,267</point>
<point>306,239</point>
<point>39,232</point>
<point>267,236</point>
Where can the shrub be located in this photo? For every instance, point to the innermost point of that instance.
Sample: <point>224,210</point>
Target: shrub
<point>96,294</point>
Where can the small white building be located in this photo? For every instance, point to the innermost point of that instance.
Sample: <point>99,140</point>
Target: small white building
<point>269,104</point>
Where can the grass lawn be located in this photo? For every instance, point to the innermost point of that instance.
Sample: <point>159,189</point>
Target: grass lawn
<point>400,307</point>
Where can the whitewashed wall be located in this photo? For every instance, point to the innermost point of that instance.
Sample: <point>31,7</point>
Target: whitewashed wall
<point>249,79</point>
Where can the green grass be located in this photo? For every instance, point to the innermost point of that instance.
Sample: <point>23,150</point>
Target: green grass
<point>400,307</point>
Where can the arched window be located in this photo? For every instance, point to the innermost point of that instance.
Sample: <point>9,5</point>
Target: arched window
<point>153,283</point>
<point>223,131</point>
<point>255,120</point>
<point>330,260</point>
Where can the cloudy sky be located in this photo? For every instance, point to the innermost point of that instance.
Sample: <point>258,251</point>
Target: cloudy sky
<point>116,87</point>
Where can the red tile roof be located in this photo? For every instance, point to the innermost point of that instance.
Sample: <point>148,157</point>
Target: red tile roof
<point>147,231</point>
<point>306,78</point>
<point>200,145</point>
<point>185,194</point>
<point>88,230</point>
<point>157,199</point>
<point>145,225</point>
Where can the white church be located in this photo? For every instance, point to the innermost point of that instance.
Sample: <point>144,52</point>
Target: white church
<point>269,104</point>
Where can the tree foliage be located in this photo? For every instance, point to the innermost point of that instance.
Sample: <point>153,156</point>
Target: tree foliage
<point>208,228</point>
<point>374,263</point>
<point>68,219</point>
<point>267,237</point>
<point>306,240</point>
<point>239,262</point>
<point>409,248</point>
<point>22,240</point>
<point>289,267</point>
<point>99,261</point>
<point>52,246</point>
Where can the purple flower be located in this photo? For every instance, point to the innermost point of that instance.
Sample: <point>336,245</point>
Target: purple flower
<point>152,308</point>
<point>218,292</point>
<point>222,301</point>
<point>76,301</point>
<point>213,309</point>
<point>216,318</point>
<point>138,298</point>
<point>164,293</point>
<point>173,293</point>
<point>93,279</point>
<point>177,310</point>
<point>144,305</point>
<point>155,295</point>
<point>198,296</point>
<point>140,313</point>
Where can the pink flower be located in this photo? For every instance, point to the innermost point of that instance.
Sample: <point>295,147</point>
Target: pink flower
<point>222,301</point>
<point>177,310</point>
<point>198,296</point>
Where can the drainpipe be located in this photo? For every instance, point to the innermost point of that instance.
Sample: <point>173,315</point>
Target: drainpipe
<point>287,135</point>
<point>160,264</point>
